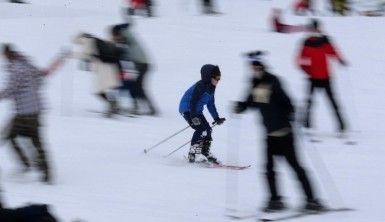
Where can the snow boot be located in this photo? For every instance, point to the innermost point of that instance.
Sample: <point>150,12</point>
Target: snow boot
<point>206,144</point>
<point>274,205</point>
<point>112,109</point>
<point>313,205</point>
<point>43,167</point>
<point>194,150</point>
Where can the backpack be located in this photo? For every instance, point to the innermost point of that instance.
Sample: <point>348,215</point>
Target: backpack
<point>107,52</point>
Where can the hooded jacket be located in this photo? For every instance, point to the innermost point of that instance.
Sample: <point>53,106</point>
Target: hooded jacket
<point>131,48</point>
<point>201,94</point>
<point>314,55</point>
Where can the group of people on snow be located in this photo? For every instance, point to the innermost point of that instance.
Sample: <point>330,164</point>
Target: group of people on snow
<point>266,94</point>
<point>108,60</point>
<point>119,65</point>
<point>304,7</point>
<point>145,7</point>
<point>122,65</point>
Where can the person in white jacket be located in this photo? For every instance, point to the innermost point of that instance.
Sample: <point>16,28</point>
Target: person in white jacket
<point>105,68</point>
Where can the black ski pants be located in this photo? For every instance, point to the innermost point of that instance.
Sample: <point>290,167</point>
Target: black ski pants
<point>202,131</point>
<point>207,5</point>
<point>326,85</point>
<point>283,146</point>
<point>140,92</point>
<point>28,126</point>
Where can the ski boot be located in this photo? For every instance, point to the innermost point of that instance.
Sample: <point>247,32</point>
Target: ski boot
<point>313,205</point>
<point>274,205</point>
<point>206,144</point>
<point>112,109</point>
<point>194,150</point>
<point>42,165</point>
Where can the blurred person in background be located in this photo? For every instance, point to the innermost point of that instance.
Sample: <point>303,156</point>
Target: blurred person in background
<point>208,7</point>
<point>303,7</point>
<point>313,59</point>
<point>191,106</point>
<point>132,52</point>
<point>140,5</point>
<point>340,7</point>
<point>280,27</point>
<point>24,86</point>
<point>16,1</point>
<point>266,94</point>
<point>28,213</point>
<point>103,58</point>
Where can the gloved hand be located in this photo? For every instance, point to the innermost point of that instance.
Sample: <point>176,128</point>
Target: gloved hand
<point>239,107</point>
<point>219,121</point>
<point>196,121</point>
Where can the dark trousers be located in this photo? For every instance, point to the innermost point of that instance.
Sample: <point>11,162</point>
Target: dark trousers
<point>284,147</point>
<point>207,6</point>
<point>148,6</point>
<point>326,85</point>
<point>28,126</point>
<point>202,131</point>
<point>139,90</point>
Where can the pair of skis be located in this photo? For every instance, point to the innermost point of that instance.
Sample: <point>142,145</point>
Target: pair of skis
<point>223,166</point>
<point>206,164</point>
<point>345,139</point>
<point>113,115</point>
<point>286,215</point>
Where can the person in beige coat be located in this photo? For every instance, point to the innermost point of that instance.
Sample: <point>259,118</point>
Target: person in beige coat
<point>104,63</point>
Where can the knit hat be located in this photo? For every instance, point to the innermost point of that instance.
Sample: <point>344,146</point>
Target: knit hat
<point>117,29</point>
<point>255,58</point>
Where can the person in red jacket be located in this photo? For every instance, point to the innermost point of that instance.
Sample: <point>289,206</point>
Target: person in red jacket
<point>280,27</point>
<point>302,7</point>
<point>137,5</point>
<point>313,60</point>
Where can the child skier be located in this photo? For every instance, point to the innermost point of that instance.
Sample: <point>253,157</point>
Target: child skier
<point>191,107</point>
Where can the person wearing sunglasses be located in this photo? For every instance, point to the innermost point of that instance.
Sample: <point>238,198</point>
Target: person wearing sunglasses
<point>191,107</point>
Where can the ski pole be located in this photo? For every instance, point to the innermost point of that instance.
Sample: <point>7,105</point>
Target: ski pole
<point>184,144</point>
<point>180,147</point>
<point>164,140</point>
<point>232,180</point>
<point>324,174</point>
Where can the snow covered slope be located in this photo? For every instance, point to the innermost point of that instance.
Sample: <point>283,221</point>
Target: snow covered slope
<point>101,173</point>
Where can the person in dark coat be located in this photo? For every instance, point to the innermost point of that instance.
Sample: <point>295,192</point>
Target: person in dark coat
<point>133,51</point>
<point>313,59</point>
<point>191,108</point>
<point>266,94</point>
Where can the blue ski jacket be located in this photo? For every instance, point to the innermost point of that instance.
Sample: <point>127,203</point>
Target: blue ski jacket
<point>200,94</point>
